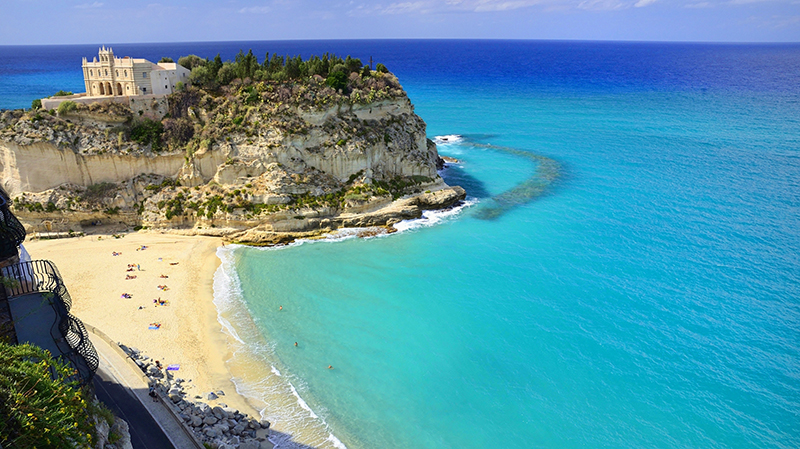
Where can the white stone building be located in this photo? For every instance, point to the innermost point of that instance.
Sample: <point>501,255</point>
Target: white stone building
<point>110,76</point>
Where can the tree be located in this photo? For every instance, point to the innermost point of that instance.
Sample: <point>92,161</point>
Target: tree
<point>381,68</point>
<point>337,80</point>
<point>39,407</point>
<point>202,76</point>
<point>226,74</point>
<point>36,104</point>
<point>191,61</point>
<point>165,59</point>
<point>215,65</point>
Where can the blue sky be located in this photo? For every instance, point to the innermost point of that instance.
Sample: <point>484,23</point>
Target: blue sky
<point>114,21</point>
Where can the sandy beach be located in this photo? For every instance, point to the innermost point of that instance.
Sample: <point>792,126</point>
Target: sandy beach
<point>189,333</point>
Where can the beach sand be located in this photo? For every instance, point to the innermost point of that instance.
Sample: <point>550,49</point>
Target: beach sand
<point>190,334</point>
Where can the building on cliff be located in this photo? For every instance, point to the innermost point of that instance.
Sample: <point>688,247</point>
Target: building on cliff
<point>35,305</point>
<point>108,77</point>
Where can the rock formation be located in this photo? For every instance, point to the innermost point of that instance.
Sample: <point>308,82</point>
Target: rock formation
<point>258,163</point>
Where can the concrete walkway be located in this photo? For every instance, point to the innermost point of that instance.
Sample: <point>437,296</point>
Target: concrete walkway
<point>127,388</point>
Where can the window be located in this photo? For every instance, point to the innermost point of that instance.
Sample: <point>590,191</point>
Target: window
<point>165,86</point>
<point>127,87</point>
<point>90,73</point>
<point>126,74</point>
<point>144,74</point>
<point>116,72</point>
<point>106,72</point>
<point>144,89</point>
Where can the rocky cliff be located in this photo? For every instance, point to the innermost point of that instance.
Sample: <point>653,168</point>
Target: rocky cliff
<point>259,163</point>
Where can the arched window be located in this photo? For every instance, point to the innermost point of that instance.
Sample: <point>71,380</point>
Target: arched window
<point>116,72</point>
<point>126,74</point>
<point>106,72</point>
<point>90,73</point>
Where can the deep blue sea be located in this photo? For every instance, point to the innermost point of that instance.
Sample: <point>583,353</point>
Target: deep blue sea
<point>638,287</point>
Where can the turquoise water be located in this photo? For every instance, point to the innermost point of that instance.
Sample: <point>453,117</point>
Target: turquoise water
<point>648,298</point>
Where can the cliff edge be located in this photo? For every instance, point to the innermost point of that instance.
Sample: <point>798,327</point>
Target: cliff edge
<point>256,162</point>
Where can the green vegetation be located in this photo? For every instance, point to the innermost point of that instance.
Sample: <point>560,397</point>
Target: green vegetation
<point>214,73</point>
<point>66,107</point>
<point>38,406</point>
<point>165,59</point>
<point>36,104</point>
<point>62,93</point>
<point>147,132</point>
<point>96,191</point>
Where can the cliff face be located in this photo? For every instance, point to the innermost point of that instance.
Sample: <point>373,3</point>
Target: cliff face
<point>274,158</point>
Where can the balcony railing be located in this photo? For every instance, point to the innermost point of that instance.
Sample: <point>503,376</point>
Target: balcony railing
<point>39,283</point>
<point>12,233</point>
<point>35,276</point>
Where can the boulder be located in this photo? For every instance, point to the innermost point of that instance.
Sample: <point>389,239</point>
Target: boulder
<point>212,396</point>
<point>210,420</point>
<point>219,413</point>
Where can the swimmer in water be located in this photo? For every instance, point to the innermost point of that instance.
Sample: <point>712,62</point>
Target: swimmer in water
<point>280,307</point>
<point>295,343</point>
<point>330,366</point>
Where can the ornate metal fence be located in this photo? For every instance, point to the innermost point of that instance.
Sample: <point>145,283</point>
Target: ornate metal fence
<point>12,233</point>
<point>41,276</point>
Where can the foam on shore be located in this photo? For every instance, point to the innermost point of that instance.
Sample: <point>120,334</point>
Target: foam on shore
<point>254,370</point>
<point>278,395</point>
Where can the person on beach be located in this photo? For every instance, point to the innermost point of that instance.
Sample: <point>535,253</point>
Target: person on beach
<point>153,394</point>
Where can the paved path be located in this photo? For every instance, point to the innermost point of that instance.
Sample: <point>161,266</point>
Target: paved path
<point>127,391</point>
<point>145,433</point>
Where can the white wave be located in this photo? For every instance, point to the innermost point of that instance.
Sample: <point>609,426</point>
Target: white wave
<point>227,289</point>
<point>336,442</point>
<point>434,217</point>
<point>302,403</point>
<point>275,371</point>
<point>450,138</point>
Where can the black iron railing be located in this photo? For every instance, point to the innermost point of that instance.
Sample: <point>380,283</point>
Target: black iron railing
<point>68,332</point>
<point>35,276</point>
<point>81,354</point>
<point>12,233</point>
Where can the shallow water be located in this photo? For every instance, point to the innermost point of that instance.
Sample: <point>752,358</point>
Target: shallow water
<point>646,296</point>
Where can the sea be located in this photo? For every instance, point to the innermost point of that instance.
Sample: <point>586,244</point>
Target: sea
<point>625,271</point>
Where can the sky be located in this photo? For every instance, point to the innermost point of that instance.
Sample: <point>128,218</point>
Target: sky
<point>116,21</point>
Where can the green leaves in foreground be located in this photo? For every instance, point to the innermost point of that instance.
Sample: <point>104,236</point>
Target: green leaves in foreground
<point>38,409</point>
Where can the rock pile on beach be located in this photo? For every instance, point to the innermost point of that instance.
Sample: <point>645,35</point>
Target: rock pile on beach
<point>218,425</point>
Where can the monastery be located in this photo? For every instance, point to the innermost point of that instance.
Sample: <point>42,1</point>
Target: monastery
<point>108,77</point>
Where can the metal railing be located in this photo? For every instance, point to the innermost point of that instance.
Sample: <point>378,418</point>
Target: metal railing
<point>35,276</point>
<point>68,332</point>
<point>12,233</point>
<point>82,355</point>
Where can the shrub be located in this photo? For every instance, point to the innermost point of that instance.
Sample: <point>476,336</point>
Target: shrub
<point>337,80</point>
<point>66,107</point>
<point>165,59</point>
<point>62,93</point>
<point>381,68</point>
<point>99,190</point>
<point>36,104</point>
<point>148,132</point>
<point>38,406</point>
